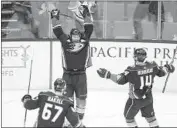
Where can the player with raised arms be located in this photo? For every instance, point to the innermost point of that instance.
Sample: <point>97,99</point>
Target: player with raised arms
<point>76,57</point>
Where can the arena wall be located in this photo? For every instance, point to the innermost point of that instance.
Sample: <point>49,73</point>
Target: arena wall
<point>114,56</point>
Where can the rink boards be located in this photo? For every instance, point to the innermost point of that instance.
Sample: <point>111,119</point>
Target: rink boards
<point>46,55</point>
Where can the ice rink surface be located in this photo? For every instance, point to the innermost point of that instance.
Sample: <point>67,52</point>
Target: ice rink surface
<point>104,109</point>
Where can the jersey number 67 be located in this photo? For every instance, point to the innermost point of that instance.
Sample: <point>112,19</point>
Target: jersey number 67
<point>47,112</point>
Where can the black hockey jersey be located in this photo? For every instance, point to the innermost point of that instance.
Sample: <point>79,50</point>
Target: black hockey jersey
<point>139,76</point>
<point>75,55</point>
<point>52,110</point>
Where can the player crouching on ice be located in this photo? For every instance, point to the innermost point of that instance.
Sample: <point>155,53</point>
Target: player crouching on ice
<point>140,78</point>
<point>53,107</point>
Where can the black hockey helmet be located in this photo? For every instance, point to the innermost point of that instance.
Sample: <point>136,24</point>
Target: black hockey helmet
<point>59,85</point>
<point>140,54</point>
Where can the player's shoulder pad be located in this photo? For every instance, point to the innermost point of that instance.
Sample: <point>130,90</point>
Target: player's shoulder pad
<point>129,68</point>
<point>83,37</point>
<point>152,63</point>
<point>127,71</point>
<point>47,93</point>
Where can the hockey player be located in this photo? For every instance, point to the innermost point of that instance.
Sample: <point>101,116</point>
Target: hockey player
<point>53,107</point>
<point>140,78</point>
<point>75,57</point>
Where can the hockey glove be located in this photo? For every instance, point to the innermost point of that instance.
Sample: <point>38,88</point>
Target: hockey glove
<point>26,97</point>
<point>55,14</point>
<point>84,11</point>
<point>147,89</point>
<point>103,73</point>
<point>170,68</point>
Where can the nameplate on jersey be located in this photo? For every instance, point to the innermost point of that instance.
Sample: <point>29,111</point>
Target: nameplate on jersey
<point>55,100</point>
<point>147,71</point>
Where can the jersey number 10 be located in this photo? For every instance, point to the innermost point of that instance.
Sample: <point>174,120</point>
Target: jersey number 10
<point>47,112</point>
<point>146,81</point>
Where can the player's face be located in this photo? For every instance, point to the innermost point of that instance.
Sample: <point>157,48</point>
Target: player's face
<point>75,38</point>
<point>140,58</point>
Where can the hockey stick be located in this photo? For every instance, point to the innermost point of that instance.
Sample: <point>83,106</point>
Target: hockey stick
<point>168,72</point>
<point>28,90</point>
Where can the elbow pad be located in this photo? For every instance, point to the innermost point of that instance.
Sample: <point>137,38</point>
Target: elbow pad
<point>121,79</point>
<point>31,104</point>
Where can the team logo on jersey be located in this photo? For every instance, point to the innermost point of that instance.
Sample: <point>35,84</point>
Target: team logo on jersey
<point>75,47</point>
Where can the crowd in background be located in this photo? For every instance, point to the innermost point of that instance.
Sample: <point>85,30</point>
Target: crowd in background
<point>111,19</point>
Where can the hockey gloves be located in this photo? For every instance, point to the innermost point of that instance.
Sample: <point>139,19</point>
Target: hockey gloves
<point>170,68</point>
<point>103,73</point>
<point>26,97</point>
<point>55,14</point>
<point>147,89</point>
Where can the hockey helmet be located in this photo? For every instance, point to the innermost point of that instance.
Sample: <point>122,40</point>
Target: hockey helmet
<point>59,85</point>
<point>140,54</point>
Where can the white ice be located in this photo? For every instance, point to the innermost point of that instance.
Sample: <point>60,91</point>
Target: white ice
<point>104,108</point>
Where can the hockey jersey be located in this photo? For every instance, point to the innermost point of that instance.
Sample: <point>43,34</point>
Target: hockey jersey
<point>52,110</point>
<point>139,76</point>
<point>75,55</point>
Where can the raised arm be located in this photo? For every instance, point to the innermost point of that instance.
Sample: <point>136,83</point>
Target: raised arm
<point>88,24</point>
<point>57,29</point>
